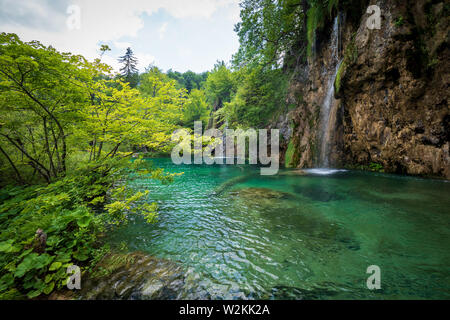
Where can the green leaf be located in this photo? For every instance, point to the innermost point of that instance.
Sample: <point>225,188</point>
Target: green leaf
<point>49,277</point>
<point>33,261</point>
<point>84,221</point>
<point>34,294</point>
<point>25,266</point>
<point>55,266</point>
<point>6,281</point>
<point>8,247</point>
<point>80,256</point>
<point>49,288</point>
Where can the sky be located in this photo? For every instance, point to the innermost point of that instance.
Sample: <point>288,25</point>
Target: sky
<point>172,34</point>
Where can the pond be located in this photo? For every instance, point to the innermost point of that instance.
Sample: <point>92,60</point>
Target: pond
<point>310,235</point>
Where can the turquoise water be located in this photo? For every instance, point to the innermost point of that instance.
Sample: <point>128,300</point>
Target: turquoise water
<point>290,236</point>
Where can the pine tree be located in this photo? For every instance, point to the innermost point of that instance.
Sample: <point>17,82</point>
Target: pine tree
<point>129,70</point>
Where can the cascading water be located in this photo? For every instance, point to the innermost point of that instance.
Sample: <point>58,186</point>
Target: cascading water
<point>327,112</point>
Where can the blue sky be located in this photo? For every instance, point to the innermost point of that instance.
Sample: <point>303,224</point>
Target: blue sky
<point>182,35</point>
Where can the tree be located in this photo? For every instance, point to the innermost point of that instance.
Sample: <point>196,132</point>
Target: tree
<point>59,110</point>
<point>189,79</point>
<point>129,71</point>
<point>195,109</point>
<point>40,94</point>
<point>219,85</point>
<point>259,96</point>
<point>269,31</point>
<point>164,95</point>
<point>119,116</point>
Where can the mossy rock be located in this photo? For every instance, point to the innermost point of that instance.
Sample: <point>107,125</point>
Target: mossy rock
<point>289,155</point>
<point>295,172</point>
<point>261,193</point>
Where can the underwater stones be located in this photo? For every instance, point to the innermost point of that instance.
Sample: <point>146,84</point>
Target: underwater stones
<point>229,183</point>
<point>133,276</point>
<point>317,193</point>
<point>162,289</point>
<point>317,232</point>
<point>261,193</point>
<point>350,243</point>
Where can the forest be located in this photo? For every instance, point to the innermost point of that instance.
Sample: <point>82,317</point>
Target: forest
<point>75,135</point>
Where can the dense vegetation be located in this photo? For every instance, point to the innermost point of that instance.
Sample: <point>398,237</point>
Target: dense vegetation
<point>68,129</point>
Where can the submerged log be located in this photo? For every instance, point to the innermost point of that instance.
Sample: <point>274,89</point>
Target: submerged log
<point>229,183</point>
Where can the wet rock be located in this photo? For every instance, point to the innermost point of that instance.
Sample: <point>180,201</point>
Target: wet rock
<point>317,194</point>
<point>392,105</point>
<point>62,295</point>
<point>296,172</point>
<point>133,276</point>
<point>261,193</point>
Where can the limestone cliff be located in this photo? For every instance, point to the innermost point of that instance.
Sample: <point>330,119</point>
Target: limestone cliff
<point>391,93</point>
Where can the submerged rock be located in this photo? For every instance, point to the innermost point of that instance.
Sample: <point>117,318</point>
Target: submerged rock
<point>261,193</point>
<point>134,276</point>
<point>229,183</point>
<point>317,194</point>
<point>295,172</point>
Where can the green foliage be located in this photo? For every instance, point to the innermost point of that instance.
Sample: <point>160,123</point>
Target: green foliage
<point>72,220</point>
<point>70,226</point>
<point>111,263</point>
<point>195,109</point>
<point>41,91</point>
<point>258,97</point>
<point>350,57</point>
<point>314,20</point>
<point>188,80</point>
<point>68,121</point>
<point>219,85</point>
<point>269,31</point>
<point>55,107</point>
<point>337,81</point>
<point>377,167</point>
<point>289,155</point>
<point>399,21</point>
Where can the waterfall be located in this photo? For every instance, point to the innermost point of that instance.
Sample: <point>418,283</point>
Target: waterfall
<point>328,112</point>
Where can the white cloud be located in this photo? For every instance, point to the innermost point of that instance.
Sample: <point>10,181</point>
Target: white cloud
<point>184,52</point>
<point>122,45</point>
<point>102,21</point>
<point>144,60</point>
<point>112,61</point>
<point>162,30</point>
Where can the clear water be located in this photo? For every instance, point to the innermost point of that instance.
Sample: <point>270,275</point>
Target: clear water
<point>242,235</point>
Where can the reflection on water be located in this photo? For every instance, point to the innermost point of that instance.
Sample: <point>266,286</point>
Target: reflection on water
<point>303,236</point>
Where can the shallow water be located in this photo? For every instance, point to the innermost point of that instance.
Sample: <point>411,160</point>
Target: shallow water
<point>241,235</point>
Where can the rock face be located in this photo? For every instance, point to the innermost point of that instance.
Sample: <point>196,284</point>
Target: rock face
<point>391,90</point>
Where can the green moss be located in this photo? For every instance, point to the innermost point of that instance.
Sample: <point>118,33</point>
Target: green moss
<point>315,20</point>
<point>399,21</point>
<point>111,263</point>
<point>350,57</point>
<point>292,106</point>
<point>373,166</point>
<point>376,167</point>
<point>289,155</point>
<point>337,81</point>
